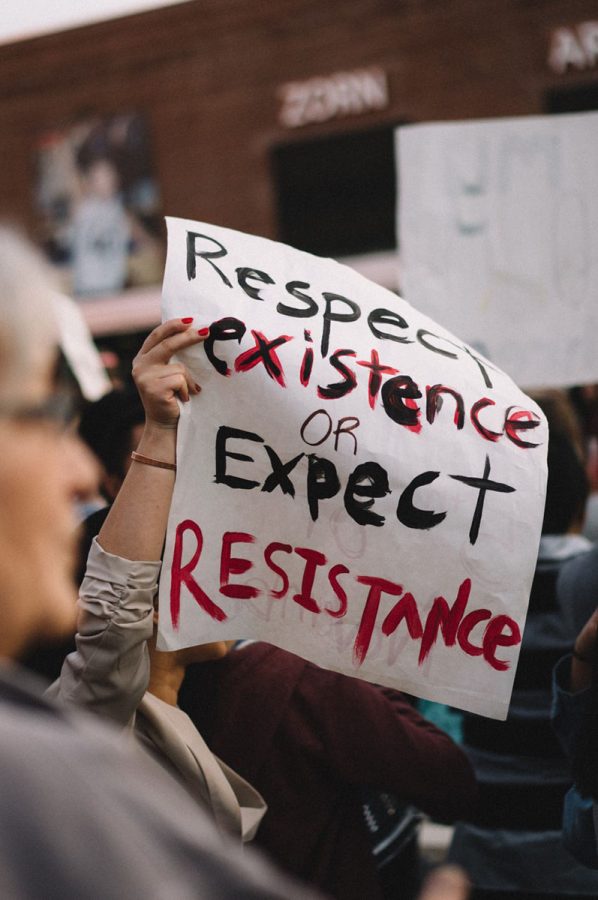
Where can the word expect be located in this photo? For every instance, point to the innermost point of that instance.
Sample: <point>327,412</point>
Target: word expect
<point>367,482</point>
<point>454,623</point>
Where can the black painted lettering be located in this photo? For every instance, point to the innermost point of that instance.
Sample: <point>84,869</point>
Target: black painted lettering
<point>383,316</point>
<point>294,289</point>
<point>394,393</point>
<point>368,480</point>
<point>329,315</point>
<point>322,482</point>
<point>208,254</point>
<point>339,389</point>
<point>412,516</point>
<point>244,276</point>
<point>222,454</point>
<point>228,329</point>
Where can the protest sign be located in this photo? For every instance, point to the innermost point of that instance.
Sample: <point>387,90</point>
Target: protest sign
<point>498,235</point>
<point>354,483</point>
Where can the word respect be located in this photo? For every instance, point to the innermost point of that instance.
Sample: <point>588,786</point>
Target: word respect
<point>333,308</point>
<point>477,632</point>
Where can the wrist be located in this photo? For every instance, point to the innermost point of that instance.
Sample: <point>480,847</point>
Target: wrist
<point>158,441</point>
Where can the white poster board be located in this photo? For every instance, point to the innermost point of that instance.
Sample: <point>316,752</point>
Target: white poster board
<point>354,484</point>
<point>498,236</point>
<point>79,349</point>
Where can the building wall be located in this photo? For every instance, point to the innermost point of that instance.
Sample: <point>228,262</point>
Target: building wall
<point>207,75</point>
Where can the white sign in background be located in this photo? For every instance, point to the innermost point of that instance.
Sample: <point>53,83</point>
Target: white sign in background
<point>354,484</point>
<point>498,235</point>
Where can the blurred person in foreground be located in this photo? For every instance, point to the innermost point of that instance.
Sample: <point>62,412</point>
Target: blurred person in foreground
<point>83,813</point>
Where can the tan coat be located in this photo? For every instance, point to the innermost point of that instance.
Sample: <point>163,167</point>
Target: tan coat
<point>109,673</point>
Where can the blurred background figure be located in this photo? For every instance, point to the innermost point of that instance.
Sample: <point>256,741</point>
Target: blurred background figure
<point>513,847</point>
<point>575,720</point>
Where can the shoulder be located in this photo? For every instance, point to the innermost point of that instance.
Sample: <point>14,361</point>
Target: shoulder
<point>582,569</point>
<point>577,589</point>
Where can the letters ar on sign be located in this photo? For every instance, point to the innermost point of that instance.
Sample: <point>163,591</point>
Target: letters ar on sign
<point>355,484</point>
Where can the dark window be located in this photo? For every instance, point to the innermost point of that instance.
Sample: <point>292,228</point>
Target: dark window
<point>336,195</point>
<point>572,99</point>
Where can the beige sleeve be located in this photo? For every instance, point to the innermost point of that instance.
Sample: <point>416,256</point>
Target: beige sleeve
<point>108,672</point>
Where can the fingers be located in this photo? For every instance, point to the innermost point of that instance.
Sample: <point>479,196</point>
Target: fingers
<point>445,883</point>
<point>169,338</point>
<point>189,387</point>
<point>174,385</point>
<point>161,382</point>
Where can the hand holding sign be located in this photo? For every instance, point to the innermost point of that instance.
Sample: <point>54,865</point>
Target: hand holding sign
<point>161,387</point>
<point>362,488</point>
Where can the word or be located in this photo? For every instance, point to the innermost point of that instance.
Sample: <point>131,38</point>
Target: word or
<point>455,623</point>
<point>331,97</point>
<point>367,482</point>
<point>575,47</point>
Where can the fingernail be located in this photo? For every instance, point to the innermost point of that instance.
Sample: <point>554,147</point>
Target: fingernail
<point>197,388</point>
<point>187,321</point>
<point>203,332</point>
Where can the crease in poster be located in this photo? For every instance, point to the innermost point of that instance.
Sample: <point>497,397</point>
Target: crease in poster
<point>355,484</point>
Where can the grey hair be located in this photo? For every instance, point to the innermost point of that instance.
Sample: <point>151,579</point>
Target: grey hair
<point>28,329</point>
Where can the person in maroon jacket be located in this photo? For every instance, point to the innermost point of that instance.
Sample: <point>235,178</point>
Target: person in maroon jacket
<point>309,740</point>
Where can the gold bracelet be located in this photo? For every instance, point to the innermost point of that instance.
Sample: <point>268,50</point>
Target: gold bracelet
<point>148,461</point>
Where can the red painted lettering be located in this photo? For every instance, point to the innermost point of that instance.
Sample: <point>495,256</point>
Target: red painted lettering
<point>182,575</point>
<point>313,559</point>
<point>235,565</point>
<point>370,612</point>
<point>466,627</point>
<point>445,618</point>
<point>406,609</point>
<point>272,548</point>
<point>502,631</point>
<point>481,429</point>
<point>341,594</point>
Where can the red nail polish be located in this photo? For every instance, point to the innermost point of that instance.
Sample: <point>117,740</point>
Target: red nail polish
<point>187,321</point>
<point>203,332</point>
<point>197,387</point>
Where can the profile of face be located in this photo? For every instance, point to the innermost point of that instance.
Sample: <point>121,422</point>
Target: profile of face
<point>43,469</point>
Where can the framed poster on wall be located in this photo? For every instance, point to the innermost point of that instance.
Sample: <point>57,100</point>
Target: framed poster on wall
<point>99,204</point>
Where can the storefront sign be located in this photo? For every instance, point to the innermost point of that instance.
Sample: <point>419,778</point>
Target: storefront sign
<point>333,97</point>
<point>575,47</point>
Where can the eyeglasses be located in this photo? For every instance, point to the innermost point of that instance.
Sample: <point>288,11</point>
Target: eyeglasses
<point>58,409</point>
